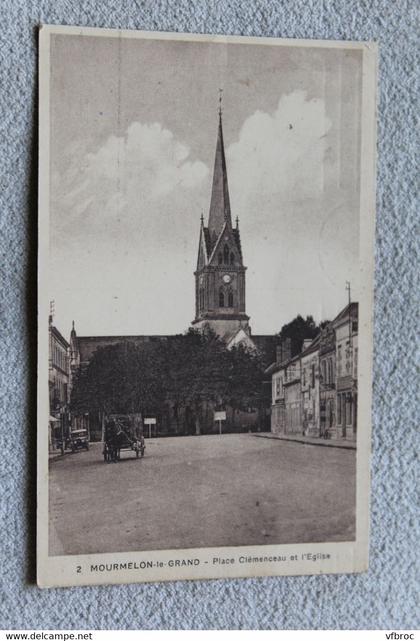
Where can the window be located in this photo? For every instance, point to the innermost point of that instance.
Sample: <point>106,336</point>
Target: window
<point>329,371</point>
<point>220,258</point>
<point>230,299</point>
<point>304,377</point>
<point>221,298</point>
<point>348,409</point>
<point>226,255</point>
<point>201,298</point>
<point>232,258</point>
<point>324,372</point>
<point>348,358</point>
<point>313,376</point>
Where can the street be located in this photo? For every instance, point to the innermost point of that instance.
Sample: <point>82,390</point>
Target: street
<point>201,491</point>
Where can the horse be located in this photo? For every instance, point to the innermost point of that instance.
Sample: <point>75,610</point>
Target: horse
<point>115,440</point>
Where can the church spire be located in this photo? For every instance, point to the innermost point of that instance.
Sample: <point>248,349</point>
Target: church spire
<point>220,273</point>
<point>220,203</point>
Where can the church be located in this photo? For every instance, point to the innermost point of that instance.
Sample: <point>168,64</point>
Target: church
<point>220,273</point>
<point>220,292</point>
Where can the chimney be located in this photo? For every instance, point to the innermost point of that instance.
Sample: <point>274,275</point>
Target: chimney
<point>284,350</point>
<point>306,343</point>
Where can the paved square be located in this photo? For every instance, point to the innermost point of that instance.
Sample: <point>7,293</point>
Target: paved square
<point>202,491</point>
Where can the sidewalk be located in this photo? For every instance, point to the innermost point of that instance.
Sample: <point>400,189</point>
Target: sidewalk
<point>55,455</point>
<point>309,440</point>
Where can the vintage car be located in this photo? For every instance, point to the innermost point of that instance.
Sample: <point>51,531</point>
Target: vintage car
<point>78,440</point>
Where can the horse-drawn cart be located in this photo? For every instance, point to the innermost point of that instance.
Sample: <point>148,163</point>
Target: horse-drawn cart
<point>122,432</point>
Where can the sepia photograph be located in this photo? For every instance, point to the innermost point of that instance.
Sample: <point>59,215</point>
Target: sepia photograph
<point>205,305</point>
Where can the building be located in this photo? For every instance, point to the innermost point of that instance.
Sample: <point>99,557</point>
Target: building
<point>292,396</point>
<point>346,330</point>
<point>327,387</point>
<point>58,385</point>
<point>277,370</point>
<point>309,368</point>
<point>315,392</point>
<point>220,273</point>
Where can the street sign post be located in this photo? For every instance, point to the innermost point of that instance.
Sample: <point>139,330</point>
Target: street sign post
<point>219,417</point>
<point>150,421</point>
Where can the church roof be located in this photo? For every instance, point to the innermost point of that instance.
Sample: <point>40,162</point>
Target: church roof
<point>207,240</point>
<point>87,345</point>
<point>237,238</point>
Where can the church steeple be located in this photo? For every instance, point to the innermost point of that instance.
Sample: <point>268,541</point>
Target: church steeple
<point>220,273</point>
<point>220,203</point>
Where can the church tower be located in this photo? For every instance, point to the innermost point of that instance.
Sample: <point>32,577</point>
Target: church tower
<point>220,272</point>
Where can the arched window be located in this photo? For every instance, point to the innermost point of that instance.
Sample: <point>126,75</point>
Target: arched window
<point>221,298</point>
<point>220,258</point>
<point>201,298</point>
<point>230,299</point>
<point>232,258</point>
<point>226,255</point>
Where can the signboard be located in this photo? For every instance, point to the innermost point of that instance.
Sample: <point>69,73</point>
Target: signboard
<point>150,421</point>
<point>219,417</point>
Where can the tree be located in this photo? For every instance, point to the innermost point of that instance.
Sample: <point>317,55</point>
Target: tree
<point>121,378</point>
<point>195,372</point>
<point>298,330</point>
<point>186,372</point>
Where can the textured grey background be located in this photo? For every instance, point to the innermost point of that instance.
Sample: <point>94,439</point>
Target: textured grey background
<point>385,596</point>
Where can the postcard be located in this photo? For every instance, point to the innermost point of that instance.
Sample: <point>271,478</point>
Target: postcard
<point>206,234</point>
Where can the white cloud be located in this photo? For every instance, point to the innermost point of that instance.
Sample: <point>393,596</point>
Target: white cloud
<point>280,154</point>
<point>125,221</point>
<point>127,174</point>
<point>298,236</point>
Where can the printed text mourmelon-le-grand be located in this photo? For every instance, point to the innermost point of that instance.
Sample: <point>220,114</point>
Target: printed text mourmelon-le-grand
<point>217,560</point>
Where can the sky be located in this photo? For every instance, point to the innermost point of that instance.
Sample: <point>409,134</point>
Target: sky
<point>133,137</point>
